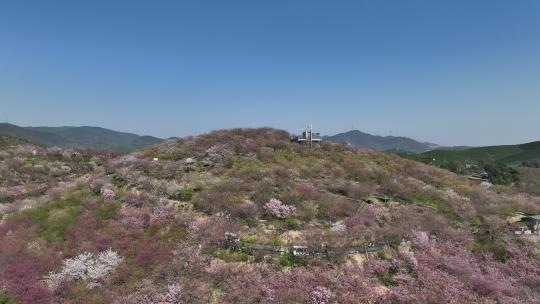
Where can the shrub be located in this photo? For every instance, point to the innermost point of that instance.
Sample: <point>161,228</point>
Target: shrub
<point>164,214</point>
<point>184,194</point>
<point>276,208</point>
<point>107,193</point>
<point>337,209</point>
<point>107,210</point>
<point>136,198</point>
<point>247,211</point>
<point>151,253</point>
<point>531,164</point>
<point>496,248</point>
<point>501,174</point>
<point>5,298</point>
<point>290,259</point>
<point>135,218</point>
<point>291,223</point>
<point>231,256</point>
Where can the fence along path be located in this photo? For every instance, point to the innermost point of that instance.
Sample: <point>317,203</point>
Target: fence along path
<point>234,243</point>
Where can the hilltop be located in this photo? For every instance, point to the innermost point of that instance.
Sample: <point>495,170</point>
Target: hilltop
<point>247,216</point>
<point>79,137</point>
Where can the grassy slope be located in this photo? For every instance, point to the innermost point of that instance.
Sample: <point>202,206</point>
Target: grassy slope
<point>6,140</point>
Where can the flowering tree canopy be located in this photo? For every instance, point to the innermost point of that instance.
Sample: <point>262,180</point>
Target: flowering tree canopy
<point>85,267</point>
<point>278,209</point>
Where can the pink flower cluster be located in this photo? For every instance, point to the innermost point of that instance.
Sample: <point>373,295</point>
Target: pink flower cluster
<point>321,295</point>
<point>278,209</point>
<point>409,257</point>
<point>107,193</point>
<point>134,218</point>
<point>172,296</point>
<point>420,238</point>
<point>163,214</point>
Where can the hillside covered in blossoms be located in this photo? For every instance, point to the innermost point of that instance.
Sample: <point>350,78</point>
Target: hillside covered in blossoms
<point>247,216</point>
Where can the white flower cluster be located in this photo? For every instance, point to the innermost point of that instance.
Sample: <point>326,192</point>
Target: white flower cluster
<point>338,227</point>
<point>86,268</point>
<point>172,296</point>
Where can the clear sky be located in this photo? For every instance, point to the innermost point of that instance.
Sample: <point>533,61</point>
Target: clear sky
<point>450,72</point>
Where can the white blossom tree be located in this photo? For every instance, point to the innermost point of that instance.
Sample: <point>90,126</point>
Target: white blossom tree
<point>85,267</point>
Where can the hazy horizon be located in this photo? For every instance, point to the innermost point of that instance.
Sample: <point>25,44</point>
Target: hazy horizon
<point>453,73</point>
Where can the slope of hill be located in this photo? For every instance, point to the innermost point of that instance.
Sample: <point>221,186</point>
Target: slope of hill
<point>384,143</point>
<point>33,136</point>
<point>508,154</point>
<point>246,216</point>
<point>9,141</point>
<point>78,137</point>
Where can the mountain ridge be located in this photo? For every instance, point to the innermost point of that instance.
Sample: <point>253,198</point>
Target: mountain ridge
<point>383,143</point>
<point>80,137</point>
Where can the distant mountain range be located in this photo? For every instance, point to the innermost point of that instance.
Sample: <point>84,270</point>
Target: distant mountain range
<point>509,154</point>
<point>79,137</point>
<point>385,143</point>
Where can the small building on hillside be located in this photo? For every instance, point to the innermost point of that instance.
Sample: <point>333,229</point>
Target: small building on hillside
<point>526,224</point>
<point>481,179</point>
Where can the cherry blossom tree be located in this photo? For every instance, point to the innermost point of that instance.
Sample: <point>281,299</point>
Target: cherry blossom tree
<point>278,209</point>
<point>86,268</point>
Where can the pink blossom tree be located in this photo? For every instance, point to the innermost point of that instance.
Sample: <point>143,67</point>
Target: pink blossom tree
<point>278,209</point>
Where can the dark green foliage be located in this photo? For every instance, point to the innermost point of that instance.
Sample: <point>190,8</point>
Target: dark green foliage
<point>387,279</point>
<point>497,248</point>
<point>184,194</point>
<point>289,259</point>
<point>531,164</point>
<point>508,154</point>
<point>529,180</point>
<point>176,234</point>
<point>433,202</point>
<point>80,158</point>
<point>501,174</point>
<point>454,166</point>
<point>493,160</point>
<point>5,298</point>
<point>231,255</point>
<point>291,223</point>
<point>118,180</point>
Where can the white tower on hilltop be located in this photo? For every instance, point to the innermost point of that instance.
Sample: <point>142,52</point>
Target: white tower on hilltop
<point>308,137</point>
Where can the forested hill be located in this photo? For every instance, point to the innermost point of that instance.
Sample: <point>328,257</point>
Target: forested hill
<point>79,137</point>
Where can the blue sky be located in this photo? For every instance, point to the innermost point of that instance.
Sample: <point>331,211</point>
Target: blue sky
<point>450,72</point>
